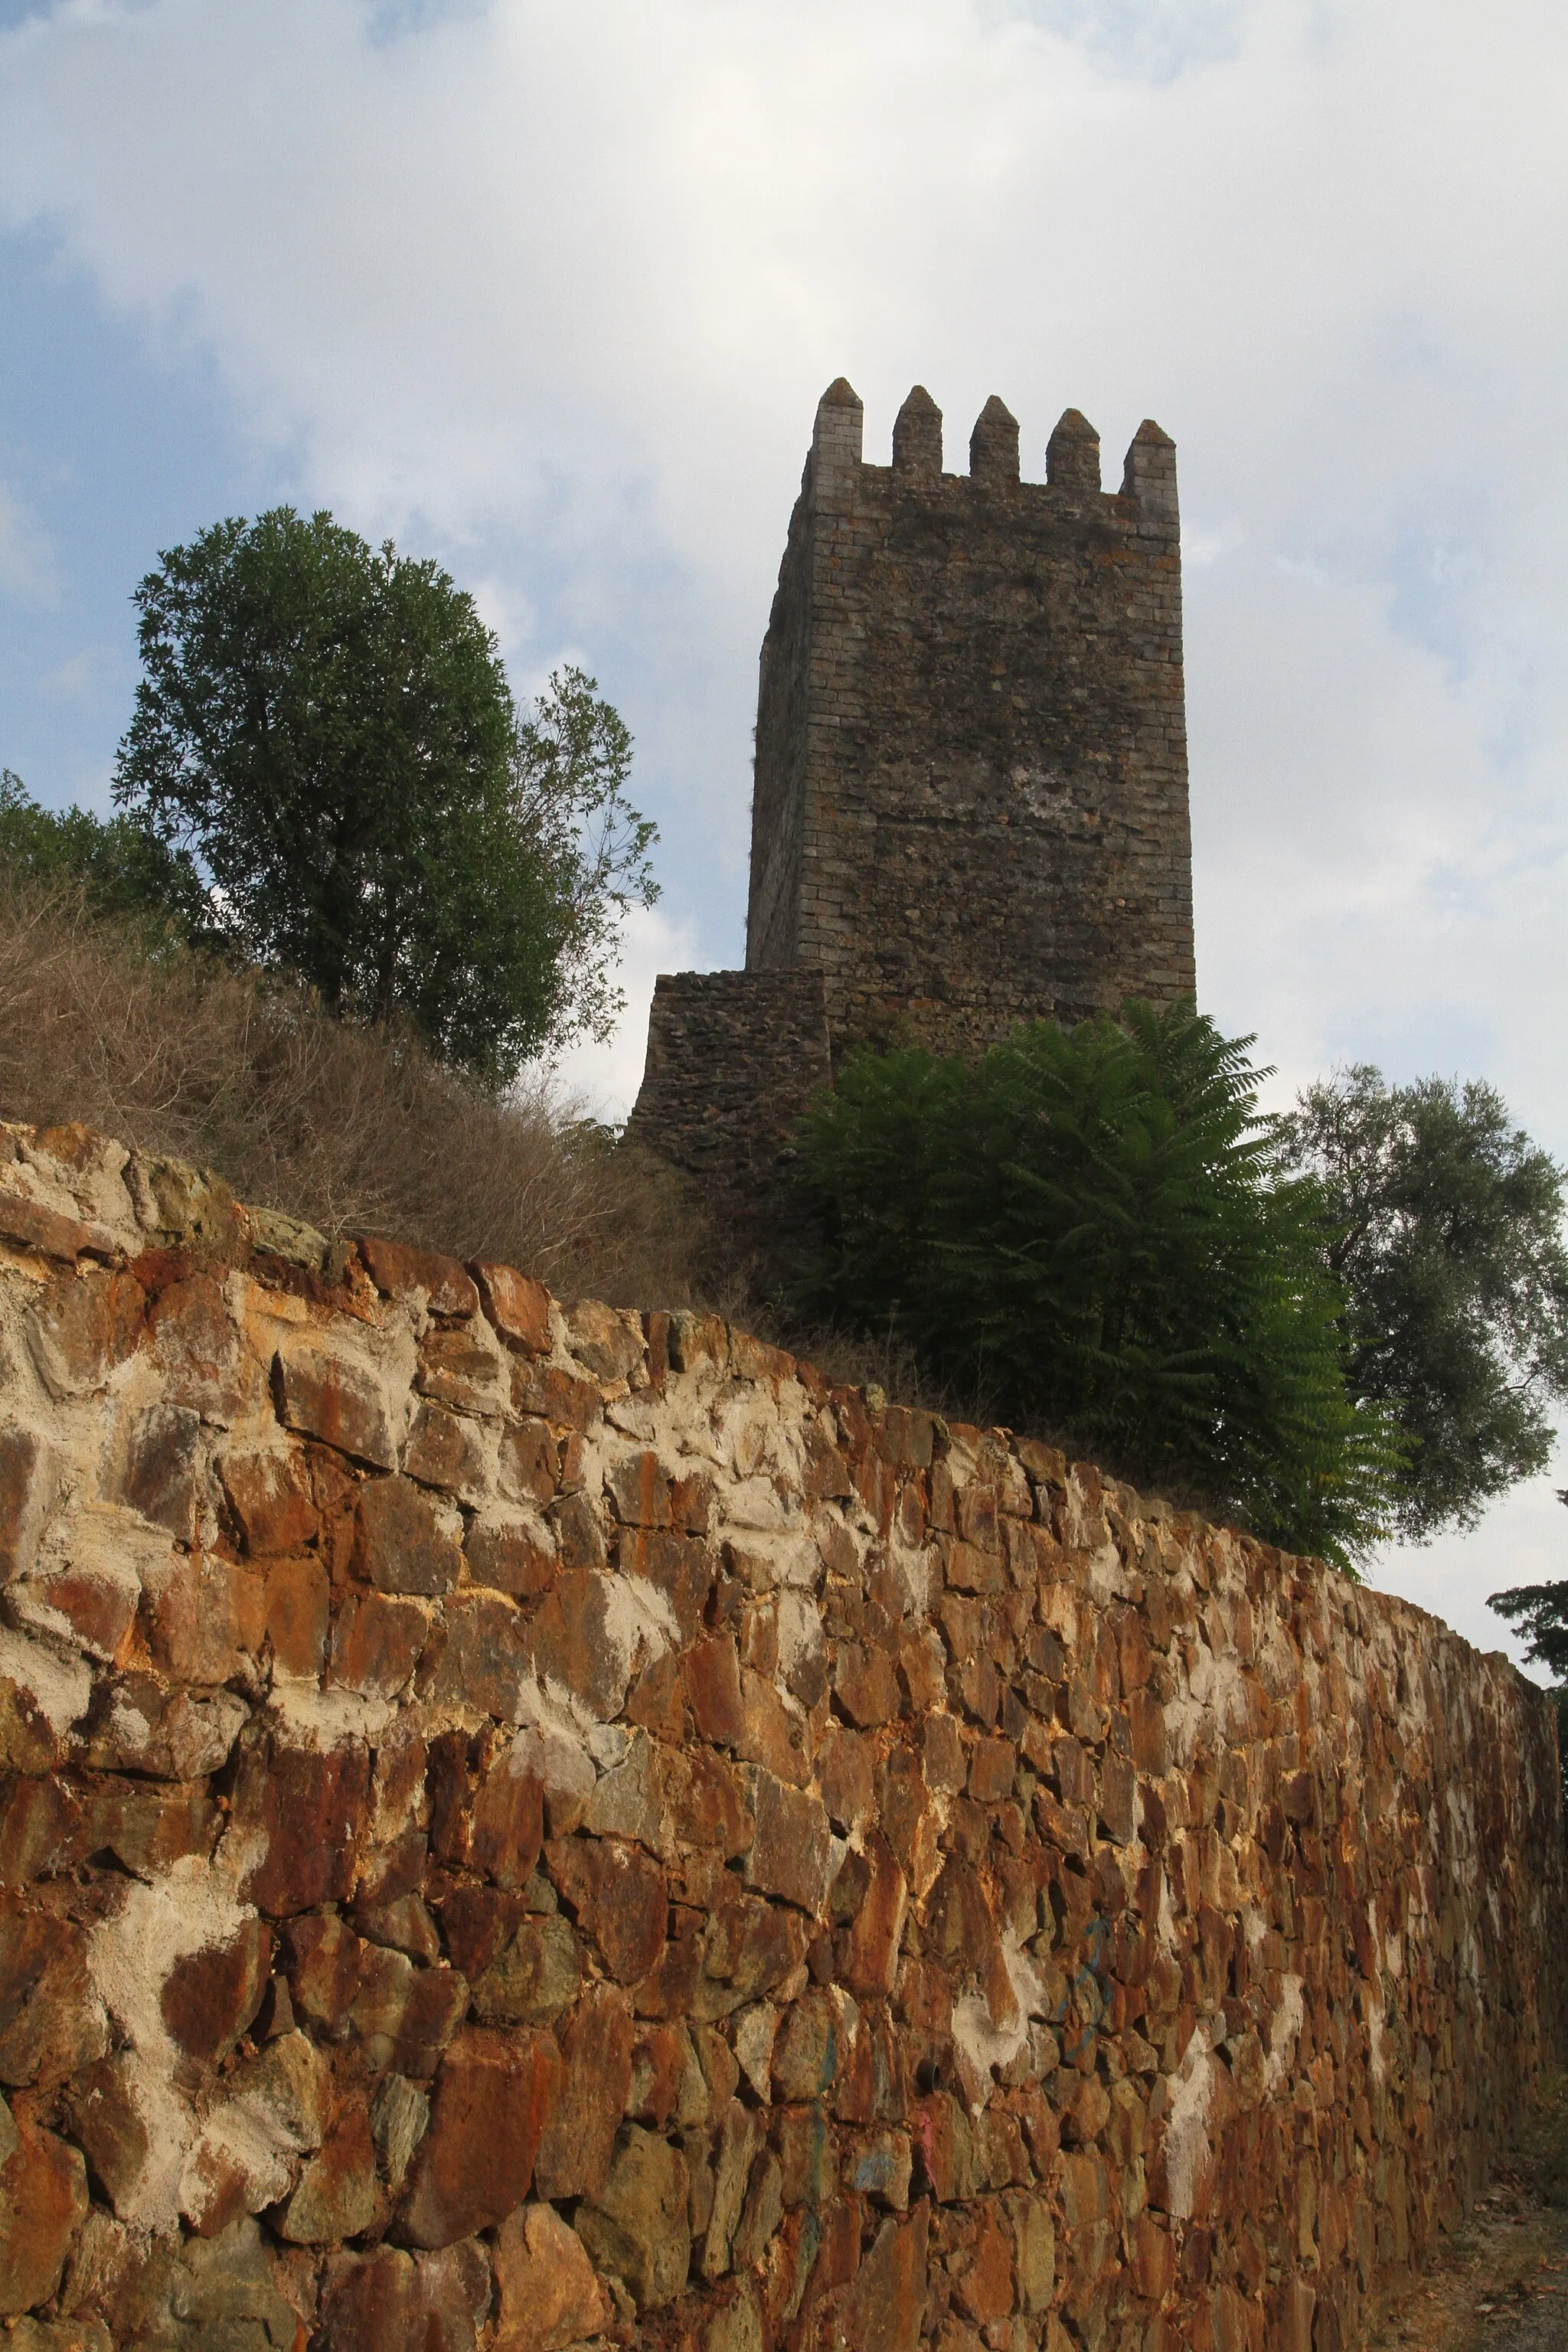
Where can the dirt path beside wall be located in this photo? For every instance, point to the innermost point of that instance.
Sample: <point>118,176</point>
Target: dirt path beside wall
<point>1501,2283</point>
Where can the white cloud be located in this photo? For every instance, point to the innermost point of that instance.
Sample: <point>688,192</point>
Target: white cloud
<point>557,282</point>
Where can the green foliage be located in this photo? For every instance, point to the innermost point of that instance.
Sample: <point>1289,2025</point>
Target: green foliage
<point>122,869</point>
<point>326,731</point>
<point>1539,1613</point>
<point>1088,1226</point>
<point>1448,1243</point>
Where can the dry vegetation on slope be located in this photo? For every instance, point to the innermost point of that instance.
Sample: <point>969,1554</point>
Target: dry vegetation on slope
<point>337,1126</point>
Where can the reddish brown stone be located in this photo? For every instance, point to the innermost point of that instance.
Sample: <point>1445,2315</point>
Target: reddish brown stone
<point>109,2126</point>
<point>399,1272</point>
<point>550,2298</point>
<point>309,1810</point>
<point>405,2017</point>
<point>571,1644</point>
<point>82,1327</point>
<point>577,1534</point>
<point>870,1950</point>
<point>161,1467</point>
<point>609,1342</point>
<point>204,1619</point>
<point>984,2287</point>
<point>196,1348</point>
<point>336,1398</point>
<point>378,1642</point>
<point>401,1543</point>
<point>456,1368</point>
<point>563,1399</point>
<point>298,1605</point>
<point>680,1566</point>
<point>387,2301</point>
<point>402,1923</point>
<point>790,1852</point>
<point>98,1605</point>
<point>866,1683</point>
<point>510,1555</point>
<point>658,2062</point>
<point>322,1960</point>
<point>773,1735</point>
<point>338,2195</point>
<point>845,1774</point>
<point>30,1227</point>
<point>517,1305</point>
<point>579,2139</point>
<point>269,1494</point>
<point>530,1460</point>
<point>750,1946</point>
<point>506,1826</point>
<point>43,2197</point>
<point>51,2022</point>
<point>884,2306</point>
<point>711,1673</point>
<point>706,1803</point>
<point>809,2046</point>
<point>477,1655</point>
<point>38,1820</point>
<point>446,1450</point>
<point>993,1765</point>
<point>27,1482</point>
<point>618,1895</point>
<point>537,1976</point>
<point>638,1488</point>
<point>492,2101</point>
<point>477,1922</point>
<point>640,2230</point>
<point>210,1996</point>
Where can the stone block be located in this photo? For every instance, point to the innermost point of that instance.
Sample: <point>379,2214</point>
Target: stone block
<point>640,2230</point>
<point>550,2298</point>
<point>791,1849</point>
<point>517,1305</point>
<point>399,1272</point>
<point>340,1399</point>
<point>493,2097</point>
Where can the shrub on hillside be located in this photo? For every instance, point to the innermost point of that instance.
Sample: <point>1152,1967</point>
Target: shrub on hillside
<point>1090,1226</point>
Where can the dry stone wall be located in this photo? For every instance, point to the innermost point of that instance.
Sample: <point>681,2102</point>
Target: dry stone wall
<point>530,1826</point>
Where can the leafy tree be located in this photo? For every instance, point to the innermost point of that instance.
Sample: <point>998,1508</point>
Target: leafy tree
<point>1089,1227</point>
<point>326,731</point>
<point>1448,1240</point>
<point>123,869</point>
<point>1539,1612</point>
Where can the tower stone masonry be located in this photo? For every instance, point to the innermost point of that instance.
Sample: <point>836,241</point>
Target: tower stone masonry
<point>971,791</point>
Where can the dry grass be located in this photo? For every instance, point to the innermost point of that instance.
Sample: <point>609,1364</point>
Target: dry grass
<point>346,1128</point>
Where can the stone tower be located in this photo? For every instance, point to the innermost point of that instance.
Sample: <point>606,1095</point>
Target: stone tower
<point>971,795</point>
<point>972,759</point>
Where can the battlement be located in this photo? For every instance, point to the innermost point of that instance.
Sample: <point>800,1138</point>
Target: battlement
<point>838,467</point>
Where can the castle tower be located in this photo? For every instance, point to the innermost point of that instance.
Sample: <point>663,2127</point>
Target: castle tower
<point>970,801</point>
<point>971,794</point>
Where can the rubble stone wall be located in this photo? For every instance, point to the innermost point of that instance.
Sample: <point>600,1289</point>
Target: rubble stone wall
<point>733,1060</point>
<point>530,1826</point>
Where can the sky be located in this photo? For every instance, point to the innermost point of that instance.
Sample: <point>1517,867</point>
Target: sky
<point>549,288</point>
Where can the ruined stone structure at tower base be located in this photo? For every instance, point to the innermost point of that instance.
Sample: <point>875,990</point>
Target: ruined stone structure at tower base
<point>527,1825</point>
